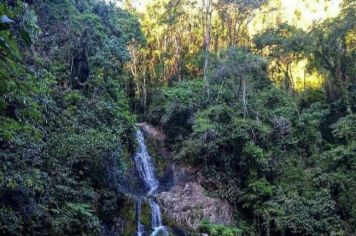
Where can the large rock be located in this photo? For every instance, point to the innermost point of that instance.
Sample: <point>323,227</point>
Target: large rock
<point>187,205</point>
<point>152,132</point>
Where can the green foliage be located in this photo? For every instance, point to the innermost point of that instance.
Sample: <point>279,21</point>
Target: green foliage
<point>283,46</point>
<point>218,230</point>
<point>339,165</point>
<point>338,65</point>
<point>345,128</point>
<point>285,161</point>
<point>268,156</point>
<point>175,106</point>
<point>65,125</point>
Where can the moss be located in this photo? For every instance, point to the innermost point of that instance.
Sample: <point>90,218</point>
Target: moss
<point>127,158</point>
<point>174,229</point>
<point>146,215</point>
<point>160,162</point>
<point>127,213</point>
<point>168,221</point>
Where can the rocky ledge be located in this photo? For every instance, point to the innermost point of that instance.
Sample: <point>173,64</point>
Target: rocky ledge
<point>187,205</point>
<point>152,132</point>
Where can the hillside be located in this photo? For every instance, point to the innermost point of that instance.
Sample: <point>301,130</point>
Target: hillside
<point>123,121</point>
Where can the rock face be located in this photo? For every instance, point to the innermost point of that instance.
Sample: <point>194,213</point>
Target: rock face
<point>186,202</point>
<point>187,205</point>
<point>152,131</point>
<point>157,137</point>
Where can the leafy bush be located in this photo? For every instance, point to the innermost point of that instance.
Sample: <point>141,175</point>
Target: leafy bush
<point>218,230</point>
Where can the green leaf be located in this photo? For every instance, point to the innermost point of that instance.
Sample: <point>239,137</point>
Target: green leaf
<point>81,208</point>
<point>4,26</point>
<point>4,45</point>
<point>26,37</point>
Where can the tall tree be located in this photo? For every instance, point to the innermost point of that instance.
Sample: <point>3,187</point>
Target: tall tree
<point>236,15</point>
<point>334,51</point>
<point>283,46</point>
<point>207,15</point>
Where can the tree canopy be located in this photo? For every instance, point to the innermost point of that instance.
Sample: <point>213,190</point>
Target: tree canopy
<point>221,78</point>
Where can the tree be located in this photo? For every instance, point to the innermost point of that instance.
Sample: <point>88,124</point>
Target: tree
<point>242,70</point>
<point>339,63</point>
<point>64,115</point>
<point>207,15</point>
<point>283,45</point>
<point>235,17</point>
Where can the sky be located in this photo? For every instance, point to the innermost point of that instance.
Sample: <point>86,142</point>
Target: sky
<point>140,4</point>
<point>315,11</point>
<point>311,9</point>
<point>289,4</point>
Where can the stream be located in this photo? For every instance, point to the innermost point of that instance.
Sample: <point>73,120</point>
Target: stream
<point>146,171</point>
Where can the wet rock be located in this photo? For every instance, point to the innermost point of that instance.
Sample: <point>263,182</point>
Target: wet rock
<point>154,140</point>
<point>157,139</point>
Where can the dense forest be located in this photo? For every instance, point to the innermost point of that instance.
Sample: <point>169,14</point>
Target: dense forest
<point>257,96</point>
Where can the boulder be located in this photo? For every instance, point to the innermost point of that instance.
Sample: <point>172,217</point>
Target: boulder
<point>187,205</point>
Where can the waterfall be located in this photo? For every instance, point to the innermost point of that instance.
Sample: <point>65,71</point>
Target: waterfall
<point>144,166</point>
<point>140,229</point>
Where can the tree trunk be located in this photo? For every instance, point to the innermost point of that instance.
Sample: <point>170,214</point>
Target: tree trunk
<point>207,34</point>
<point>244,97</point>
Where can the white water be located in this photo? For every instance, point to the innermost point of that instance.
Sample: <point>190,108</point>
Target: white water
<point>145,169</point>
<point>140,228</point>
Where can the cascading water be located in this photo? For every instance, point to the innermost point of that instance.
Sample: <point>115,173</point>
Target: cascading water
<point>145,169</point>
<point>140,228</point>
